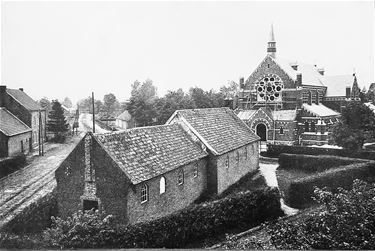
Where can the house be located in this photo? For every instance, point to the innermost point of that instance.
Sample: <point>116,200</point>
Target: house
<point>15,136</point>
<point>149,172</point>
<point>283,101</point>
<point>17,102</point>
<point>125,120</point>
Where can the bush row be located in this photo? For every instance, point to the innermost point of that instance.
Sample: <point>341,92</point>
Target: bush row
<point>302,190</point>
<point>311,163</point>
<point>35,218</point>
<point>194,223</point>
<point>11,164</point>
<point>276,150</point>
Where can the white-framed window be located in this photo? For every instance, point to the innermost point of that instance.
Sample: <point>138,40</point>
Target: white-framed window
<point>180,178</point>
<point>281,130</point>
<point>144,193</point>
<point>195,174</point>
<point>227,161</point>
<point>162,185</point>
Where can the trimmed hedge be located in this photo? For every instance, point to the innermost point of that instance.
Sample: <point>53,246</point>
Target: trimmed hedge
<point>276,150</point>
<point>311,163</point>
<point>302,190</point>
<point>197,222</point>
<point>11,164</point>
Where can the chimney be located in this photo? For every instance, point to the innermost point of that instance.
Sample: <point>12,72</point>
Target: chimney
<point>3,89</point>
<point>321,71</point>
<point>21,89</point>
<point>348,92</point>
<point>294,66</point>
<point>299,78</point>
<point>242,85</point>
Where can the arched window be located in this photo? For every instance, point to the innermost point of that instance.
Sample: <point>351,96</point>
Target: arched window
<point>306,126</point>
<point>162,185</point>
<point>281,130</point>
<point>144,193</point>
<point>312,126</point>
<point>195,170</point>
<point>180,178</point>
<point>227,161</point>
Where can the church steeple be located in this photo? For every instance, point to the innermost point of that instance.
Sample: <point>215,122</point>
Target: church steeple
<point>271,48</point>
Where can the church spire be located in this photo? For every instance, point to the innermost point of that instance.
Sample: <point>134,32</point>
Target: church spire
<point>271,47</point>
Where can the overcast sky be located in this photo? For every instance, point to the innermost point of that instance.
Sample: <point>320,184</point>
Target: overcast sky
<point>59,49</point>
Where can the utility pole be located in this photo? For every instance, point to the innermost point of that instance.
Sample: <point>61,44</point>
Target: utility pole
<point>93,113</point>
<point>41,134</point>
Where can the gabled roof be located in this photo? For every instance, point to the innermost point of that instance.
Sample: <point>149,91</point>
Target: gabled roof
<point>319,110</point>
<point>125,116</point>
<point>10,125</point>
<point>219,128</point>
<point>24,99</point>
<point>146,152</point>
<point>288,115</point>
<point>336,85</point>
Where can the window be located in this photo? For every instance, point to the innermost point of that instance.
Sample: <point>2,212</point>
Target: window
<point>195,170</point>
<point>312,126</point>
<point>227,161</point>
<point>306,126</point>
<point>281,130</point>
<point>162,185</point>
<point>238,157</point>
<point>246,152</point>
<point>252,149</point>
<point>180,178</point>
<point>144,193</point>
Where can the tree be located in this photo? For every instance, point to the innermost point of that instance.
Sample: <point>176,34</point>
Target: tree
<point>67,102</point>
<point>56,121</point>
<point>142,103</point>
<point>45,104</point>
<point>110,104</point>
<point>358,124</point>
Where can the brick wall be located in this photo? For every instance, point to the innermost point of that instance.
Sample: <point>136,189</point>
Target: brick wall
<point>237,169</point>
<point>175,197</point>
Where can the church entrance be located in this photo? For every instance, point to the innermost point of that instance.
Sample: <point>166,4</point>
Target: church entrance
<point>261,131</point>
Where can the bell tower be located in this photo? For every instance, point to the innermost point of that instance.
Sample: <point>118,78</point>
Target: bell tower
<point>271,46</point>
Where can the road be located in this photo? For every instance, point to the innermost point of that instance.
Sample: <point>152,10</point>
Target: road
<point>21,188</point>
<point>85,124</point>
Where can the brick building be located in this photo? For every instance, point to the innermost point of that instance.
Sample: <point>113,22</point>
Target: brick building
<point>25,109</point>
<point>149,172</point>
<point>288,102</point>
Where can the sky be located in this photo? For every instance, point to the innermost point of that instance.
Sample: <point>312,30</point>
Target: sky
<point>69,49</point>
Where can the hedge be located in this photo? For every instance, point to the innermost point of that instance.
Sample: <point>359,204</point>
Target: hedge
<point>302,190</point>
<point>311,163</point>
<point>11,164</point>
<point>197,222</point>
<point>276,150</point>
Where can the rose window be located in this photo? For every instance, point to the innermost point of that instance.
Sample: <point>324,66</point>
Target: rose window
<point>269,88</point>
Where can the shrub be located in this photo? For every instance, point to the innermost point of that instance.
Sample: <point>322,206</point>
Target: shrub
<point>13,241</point>
<point>302,190</point>
<point>346,221</point>
<point>11,164</point>
<point>176,230</point>
<point>276,150</point>
<point>311,163</point>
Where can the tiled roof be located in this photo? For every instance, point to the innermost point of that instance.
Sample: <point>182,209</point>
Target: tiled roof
<point>147,152</point>
<point>125,116</point>
<point>219,127</point>
<point>24,99</point>
<point>10,125</point>
<point>319,110</point>
<point>336,85</point>
<point>246,114</point>
<point>289,115</point>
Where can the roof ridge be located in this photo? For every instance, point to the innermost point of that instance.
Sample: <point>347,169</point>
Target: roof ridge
<point>6,110</point>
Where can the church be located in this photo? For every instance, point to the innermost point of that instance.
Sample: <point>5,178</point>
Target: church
<point>293,103</point>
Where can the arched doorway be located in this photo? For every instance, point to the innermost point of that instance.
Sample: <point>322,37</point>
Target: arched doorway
<point>261,130</point>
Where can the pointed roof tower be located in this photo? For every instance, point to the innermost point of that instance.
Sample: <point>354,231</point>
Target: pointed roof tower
<point>271,46</point>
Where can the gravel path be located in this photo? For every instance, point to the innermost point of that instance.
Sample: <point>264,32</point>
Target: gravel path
<point>21,188</point>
